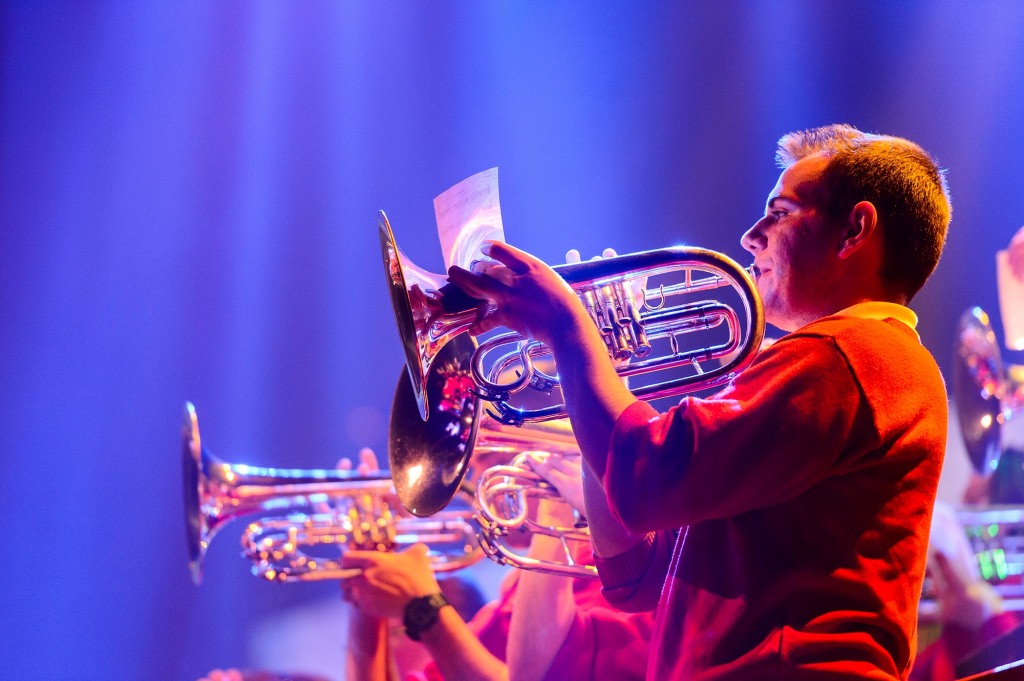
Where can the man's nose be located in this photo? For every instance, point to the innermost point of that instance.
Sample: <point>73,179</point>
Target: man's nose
<point>753,239</point>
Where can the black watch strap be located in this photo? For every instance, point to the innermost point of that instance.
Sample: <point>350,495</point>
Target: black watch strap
<point>421,613</point>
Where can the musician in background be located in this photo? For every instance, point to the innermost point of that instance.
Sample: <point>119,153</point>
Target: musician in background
<point>971,612</point>
<point>541,626</point>
<point>806,487</point>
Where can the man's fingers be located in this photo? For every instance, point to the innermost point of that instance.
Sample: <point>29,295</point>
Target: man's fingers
<point>547,466</point>
<point>368,458</point>
<point>494,270</point>
<point>473,285</point>
<point>363,559</point>
<point>562,464</point>
<point>516,260</point>
<point>543,461</point>
<point>417,549</point>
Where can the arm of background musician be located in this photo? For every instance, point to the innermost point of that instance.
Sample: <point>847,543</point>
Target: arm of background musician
<point>543,608</point>
<point>368,654</point>
<point>390,580</point>
<point>458,653</point>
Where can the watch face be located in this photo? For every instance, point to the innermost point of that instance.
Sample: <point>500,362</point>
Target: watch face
<point>421,614</point>
<point>421,611</point>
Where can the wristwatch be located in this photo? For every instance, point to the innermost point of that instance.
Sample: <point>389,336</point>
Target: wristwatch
<point>421,614</point>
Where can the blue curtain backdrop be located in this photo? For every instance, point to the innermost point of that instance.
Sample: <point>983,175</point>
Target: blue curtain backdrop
<point>188,208</point>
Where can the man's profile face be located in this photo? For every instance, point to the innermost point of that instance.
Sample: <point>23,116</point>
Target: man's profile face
<point>795,248</point>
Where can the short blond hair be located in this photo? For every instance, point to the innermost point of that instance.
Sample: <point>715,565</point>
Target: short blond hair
<point>905,184</point>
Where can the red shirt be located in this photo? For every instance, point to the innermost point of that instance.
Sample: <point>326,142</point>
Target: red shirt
<point>807,488</point>
<point>603,643</point>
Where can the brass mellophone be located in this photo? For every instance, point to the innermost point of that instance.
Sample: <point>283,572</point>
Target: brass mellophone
<point>632,316</point>
<point>430,313</point>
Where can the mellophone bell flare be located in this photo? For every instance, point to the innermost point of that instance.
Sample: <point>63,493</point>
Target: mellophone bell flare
<point>986,392</point>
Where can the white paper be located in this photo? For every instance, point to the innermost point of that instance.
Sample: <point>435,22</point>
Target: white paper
<point>468,214</point>
<point>1011,302</point>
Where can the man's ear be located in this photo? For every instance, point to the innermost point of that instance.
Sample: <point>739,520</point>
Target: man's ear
<point>860,225</point>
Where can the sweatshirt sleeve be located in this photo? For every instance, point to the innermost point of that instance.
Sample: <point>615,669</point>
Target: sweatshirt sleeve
<point>781,426</point>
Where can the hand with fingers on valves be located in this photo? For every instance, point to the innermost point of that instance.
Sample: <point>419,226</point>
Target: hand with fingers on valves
<point>534,501</point>
<point>527,296</point>
<point>520,292</point>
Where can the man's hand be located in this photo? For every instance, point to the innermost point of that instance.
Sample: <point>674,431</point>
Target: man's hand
<point>367,462</point>
<point>963,596</point>
<point>388,580</point>
<point>525,295</point>
<point>967,603</point>
<point>563,472</point>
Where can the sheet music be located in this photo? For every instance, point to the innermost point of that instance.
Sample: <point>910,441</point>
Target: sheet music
<point>1011,302</point>
<point>467,214</point>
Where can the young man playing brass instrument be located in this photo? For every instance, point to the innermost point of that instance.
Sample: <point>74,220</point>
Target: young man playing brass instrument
<point>804,488</point>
